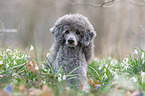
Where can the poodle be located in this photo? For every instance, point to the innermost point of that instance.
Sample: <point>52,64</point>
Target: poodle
<point>73,48</point>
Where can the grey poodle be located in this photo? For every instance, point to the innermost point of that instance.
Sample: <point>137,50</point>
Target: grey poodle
<point>73,48</point>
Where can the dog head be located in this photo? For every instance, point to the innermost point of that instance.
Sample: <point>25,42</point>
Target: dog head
<point>72,29</point>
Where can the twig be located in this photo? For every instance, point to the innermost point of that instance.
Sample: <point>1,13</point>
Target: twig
<point>139,5</point>
<point>104,3</point>
<point>92,4</point>
<point>140,32</point>
<point>142,28</point>
<point>8,30</point>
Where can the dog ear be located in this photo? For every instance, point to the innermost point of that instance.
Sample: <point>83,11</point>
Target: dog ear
<point>57,33</point>
<point>88,36</point>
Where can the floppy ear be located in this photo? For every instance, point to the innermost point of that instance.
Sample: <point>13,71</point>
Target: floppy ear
<point>88,36</point>
<point>57,33</point>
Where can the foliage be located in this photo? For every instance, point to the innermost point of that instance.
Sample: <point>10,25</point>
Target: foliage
<point>20,74</point>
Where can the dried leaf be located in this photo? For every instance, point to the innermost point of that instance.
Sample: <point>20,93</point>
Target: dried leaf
<point>93,84</point>
<point>81,85</point>
<point>45,91</point>
<point>22,88</point>
<point>128,93</point>
<point>32,66</point>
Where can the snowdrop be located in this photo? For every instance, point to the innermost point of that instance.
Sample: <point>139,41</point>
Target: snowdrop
<point>143,76</point>
<point>134,79</point>
<point>64,77</point>
<point>143,61</point>
<point>1,62</point>
<point>43,82</point>
<point>14,62</point>
<point>31,48</point>
<point>8,50</point>
<point>7,65</point>
<point>14,74</point>
<point>59,79</point>
<point>116,77</point>
<point>14,56</point>
<point>135,51</point>
<point>106,65</point>
<point>105,75</point>
<point>96,59</point>
<point>100,68</point>
<point>59,75</point>
<point>37,68</point>
<point>142,55</point>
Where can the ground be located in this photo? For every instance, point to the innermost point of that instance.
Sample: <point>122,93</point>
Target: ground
<point>22,74</point>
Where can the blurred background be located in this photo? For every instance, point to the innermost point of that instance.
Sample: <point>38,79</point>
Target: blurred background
<point>120,24</point>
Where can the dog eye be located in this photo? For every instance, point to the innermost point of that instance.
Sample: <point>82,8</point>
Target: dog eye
<point>67,32</point>
<point>77,32</point>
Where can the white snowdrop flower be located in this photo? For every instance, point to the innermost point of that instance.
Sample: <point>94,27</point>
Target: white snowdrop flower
<point>7,65</point>
<point>42,66</point>
<point>59,75</point>
<point>134,79</point>
<point>14,62</point>
<point>116,62</point>
<point>100,68</point>
<point>43,82</point>
<point>135,51</point>
<point>142,73</point>
<point>14,74</point>
<point>104,70</point>
<point>1,62</point>
<point>22,56</point>
<point>113,73</point>
<point>59,79</point>
<point>142,55</point>
<point>34,79</point>
<point>48,54</point>
<point>126,59</point>
<point>116,77</point>
<point>17,57</point>
<point>31,48</point>
<point>8,50</point>
<point>125,67</point>
<point>143,61</point>
<point>105,75</point>
<point>111,62</point>
<point>143,76</point>
<point>109,58</point>
<point>106,65</point>
<point>122,64</point>
<point>16,50</point>
<point>14,57</point>
<point>37,68</point>
<point>48,71</point>
<point>64,77</point>
<point>96,59</point>
<point>117,70</point>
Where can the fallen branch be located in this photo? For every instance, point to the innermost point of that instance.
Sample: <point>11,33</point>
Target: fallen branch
<point>92,4</point>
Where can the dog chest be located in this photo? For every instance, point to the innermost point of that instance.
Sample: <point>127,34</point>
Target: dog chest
<point>70,58</point>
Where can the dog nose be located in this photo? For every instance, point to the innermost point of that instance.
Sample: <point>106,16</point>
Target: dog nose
<point>71,41</point>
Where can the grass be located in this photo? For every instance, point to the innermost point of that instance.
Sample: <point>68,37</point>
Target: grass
<point>20,74</point>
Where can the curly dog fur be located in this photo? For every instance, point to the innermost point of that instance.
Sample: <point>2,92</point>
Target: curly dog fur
<point>73,47</point>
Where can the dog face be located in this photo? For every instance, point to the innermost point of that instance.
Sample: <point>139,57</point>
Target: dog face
<point>72,35</point>
<point>73,29</point>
